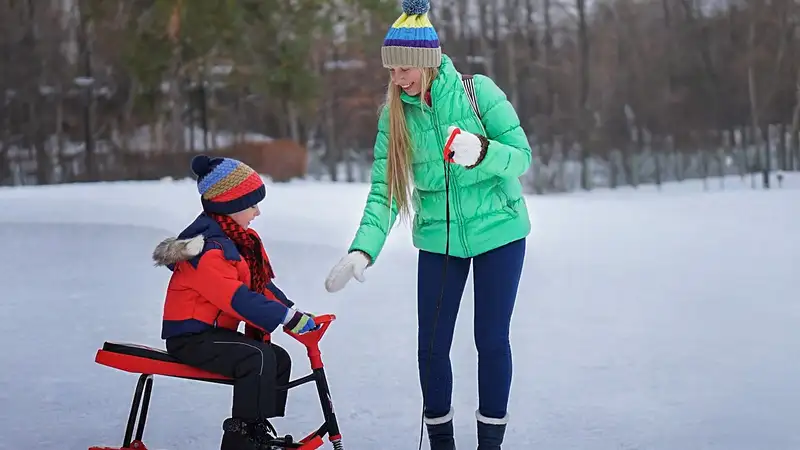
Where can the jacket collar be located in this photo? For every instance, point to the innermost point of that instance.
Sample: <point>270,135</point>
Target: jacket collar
<point>443,83</point>
<point>212,232</point>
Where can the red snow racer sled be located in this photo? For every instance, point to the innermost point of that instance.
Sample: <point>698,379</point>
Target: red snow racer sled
<point>147,362</point>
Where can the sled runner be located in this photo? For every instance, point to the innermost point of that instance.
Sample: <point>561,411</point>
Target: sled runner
<point>148,362</point>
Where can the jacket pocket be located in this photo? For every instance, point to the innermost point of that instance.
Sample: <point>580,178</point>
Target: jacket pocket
<point>508,204</point>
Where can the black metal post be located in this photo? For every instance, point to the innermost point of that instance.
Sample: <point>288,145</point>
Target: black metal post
<point>327,402</point>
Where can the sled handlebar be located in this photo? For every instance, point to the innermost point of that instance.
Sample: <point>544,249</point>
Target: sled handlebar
<point>311,338</point>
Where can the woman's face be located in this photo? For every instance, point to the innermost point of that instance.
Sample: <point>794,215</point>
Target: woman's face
<point>408,78</point>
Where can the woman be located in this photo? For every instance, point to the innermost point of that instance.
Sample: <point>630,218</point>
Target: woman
<point>488,224</point>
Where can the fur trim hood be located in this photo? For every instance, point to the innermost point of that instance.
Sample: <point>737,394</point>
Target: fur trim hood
<point>200,235</point>
<point>173,250</point>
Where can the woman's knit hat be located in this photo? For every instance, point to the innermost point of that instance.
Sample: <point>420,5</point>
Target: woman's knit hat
<point>226,185</point>
<point>412,40</point>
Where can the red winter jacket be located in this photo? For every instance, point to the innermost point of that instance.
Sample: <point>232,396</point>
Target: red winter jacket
<point>210,284</point>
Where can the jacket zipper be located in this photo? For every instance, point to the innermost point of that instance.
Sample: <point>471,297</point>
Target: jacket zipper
<point>462,229</point>
<point>454,188</point>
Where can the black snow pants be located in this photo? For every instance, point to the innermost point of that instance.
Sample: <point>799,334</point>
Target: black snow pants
<point>256,367</point>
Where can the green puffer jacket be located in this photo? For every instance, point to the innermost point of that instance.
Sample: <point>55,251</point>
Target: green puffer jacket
<point>487,208</point>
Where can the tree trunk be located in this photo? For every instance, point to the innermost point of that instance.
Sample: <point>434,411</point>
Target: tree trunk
<point>487,50</point>
<point>510,45</point>
<point>583,113</point>
<point>754,115</point>
<point>794,146</point>
<point>176,136</point>
<point>294,121</point>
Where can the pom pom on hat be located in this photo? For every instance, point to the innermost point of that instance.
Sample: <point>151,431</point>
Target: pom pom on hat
<point>226,185</point>
<point>201,165</point>
<point>416,7</point>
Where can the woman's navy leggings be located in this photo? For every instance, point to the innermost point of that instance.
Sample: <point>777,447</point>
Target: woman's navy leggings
<point>496,277</point>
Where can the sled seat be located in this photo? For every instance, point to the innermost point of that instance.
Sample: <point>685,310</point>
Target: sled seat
<point>144,360</point>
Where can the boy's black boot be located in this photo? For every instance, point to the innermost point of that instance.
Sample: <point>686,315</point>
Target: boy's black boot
<point>440,432</point>
<point>491,432</point>
<point>236,435</point>
<point>242,435</point>
<point>236,441</point>
<point>267,436</point>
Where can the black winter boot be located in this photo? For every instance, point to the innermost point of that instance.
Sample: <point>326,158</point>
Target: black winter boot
<point>242,435</point>
<point>440,432</point>
<point>232,440</point>
<point>490,432</point>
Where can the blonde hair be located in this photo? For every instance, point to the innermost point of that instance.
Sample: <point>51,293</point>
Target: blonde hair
<point>398,163</point>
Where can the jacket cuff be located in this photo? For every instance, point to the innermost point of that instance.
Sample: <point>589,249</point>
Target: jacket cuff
<point>482,154</point>
<point>292,318</point>
<point>363,252</point>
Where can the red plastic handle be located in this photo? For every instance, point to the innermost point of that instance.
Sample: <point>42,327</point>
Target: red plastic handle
<point>311,338</point>
<point>448,154</point>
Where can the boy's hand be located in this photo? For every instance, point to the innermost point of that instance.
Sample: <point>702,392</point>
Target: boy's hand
<point>299,323</point>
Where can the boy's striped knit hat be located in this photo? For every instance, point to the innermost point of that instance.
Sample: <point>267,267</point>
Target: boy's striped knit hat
<point>412,40</point>
<point>226,185</point>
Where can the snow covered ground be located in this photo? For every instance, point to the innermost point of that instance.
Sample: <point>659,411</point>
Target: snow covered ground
<point>646,320</point>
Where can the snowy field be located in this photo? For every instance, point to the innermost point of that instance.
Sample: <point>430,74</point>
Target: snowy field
<point>646,320</point>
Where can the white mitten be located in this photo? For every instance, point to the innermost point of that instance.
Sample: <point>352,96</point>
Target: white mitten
<point>467,149</point>
<point>351,265</point>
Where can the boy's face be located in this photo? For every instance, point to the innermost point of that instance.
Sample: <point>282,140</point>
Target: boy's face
<point>243,218</point>
<point>408,78</point>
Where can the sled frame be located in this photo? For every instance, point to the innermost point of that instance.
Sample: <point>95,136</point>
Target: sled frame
<point>140,405</point>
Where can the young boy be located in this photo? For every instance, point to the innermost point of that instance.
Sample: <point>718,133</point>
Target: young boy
<point>221,276</point>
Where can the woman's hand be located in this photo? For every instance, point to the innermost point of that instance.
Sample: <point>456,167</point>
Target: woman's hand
<point>351,266</point>
<point>467,149</point>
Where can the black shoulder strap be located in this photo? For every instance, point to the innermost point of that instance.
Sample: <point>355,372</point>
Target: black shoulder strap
<point>469,87</point>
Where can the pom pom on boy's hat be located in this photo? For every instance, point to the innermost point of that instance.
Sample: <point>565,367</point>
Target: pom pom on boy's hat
<point>227,185</point>
<point>412,40</point>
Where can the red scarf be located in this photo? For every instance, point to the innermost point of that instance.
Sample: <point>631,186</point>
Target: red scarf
<point>250,247</point>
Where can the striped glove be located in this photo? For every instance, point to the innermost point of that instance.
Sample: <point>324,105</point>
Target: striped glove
<point>298,322</point>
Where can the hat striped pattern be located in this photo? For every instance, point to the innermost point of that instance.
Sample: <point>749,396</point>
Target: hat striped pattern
<point>412,31</point>
<point>227,185</point>
<point>229,180</point>
<point>412,40</point>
